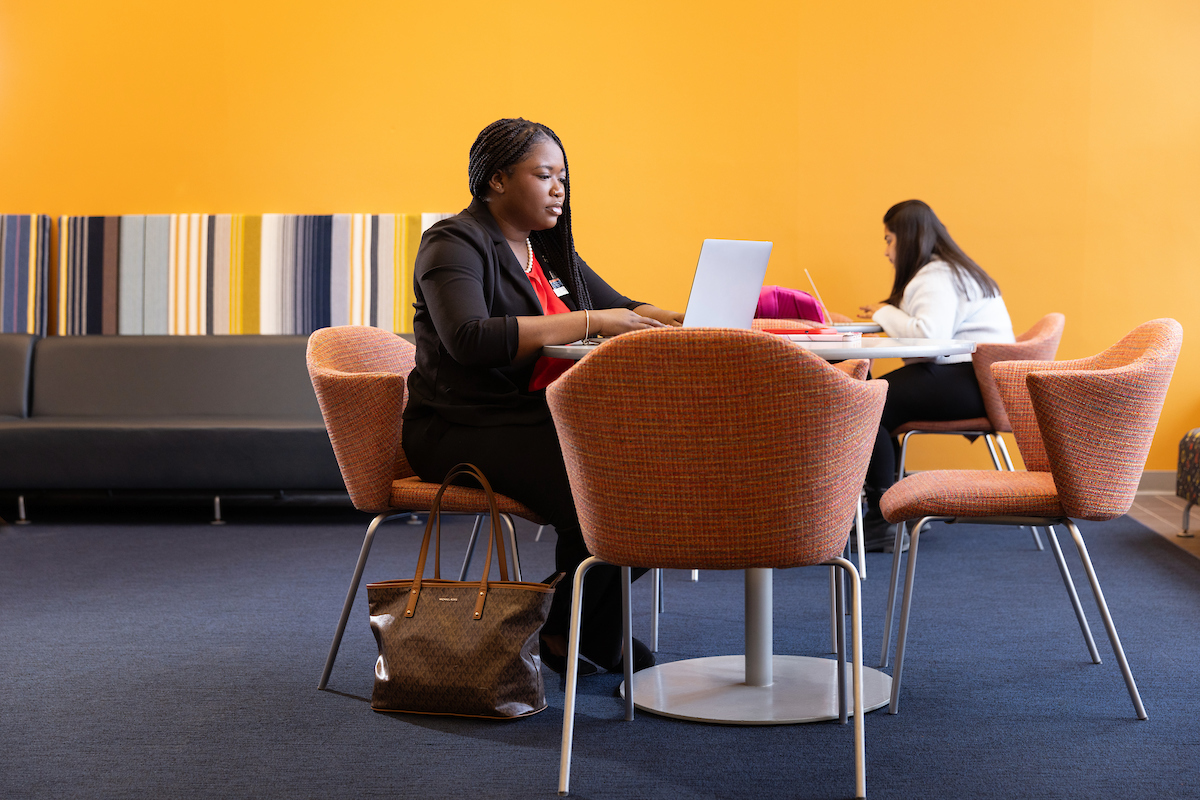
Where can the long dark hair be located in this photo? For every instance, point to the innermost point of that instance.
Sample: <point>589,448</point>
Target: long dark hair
<point>921,238</point>
<point>498,148</point>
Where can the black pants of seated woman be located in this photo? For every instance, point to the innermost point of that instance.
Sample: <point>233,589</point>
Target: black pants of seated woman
<point>921,391</point>
<point>525,463</point>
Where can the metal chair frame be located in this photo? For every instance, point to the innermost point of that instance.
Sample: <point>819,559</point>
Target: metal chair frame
<point>847,570</point>
<point>1045,522</point>
<point>996,449</point>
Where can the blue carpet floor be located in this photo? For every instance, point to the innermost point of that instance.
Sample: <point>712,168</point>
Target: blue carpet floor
<point>151,657</point>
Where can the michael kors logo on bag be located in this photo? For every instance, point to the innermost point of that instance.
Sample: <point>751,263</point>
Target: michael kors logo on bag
<point>448,599</point>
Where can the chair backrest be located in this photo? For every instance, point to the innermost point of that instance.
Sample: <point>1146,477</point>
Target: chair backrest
<point>360,376</point>
<point>1039,343</point>
<point>1090,421</point>
<point>664,431</point>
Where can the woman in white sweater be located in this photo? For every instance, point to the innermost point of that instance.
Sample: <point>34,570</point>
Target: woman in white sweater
<point>938,293</point>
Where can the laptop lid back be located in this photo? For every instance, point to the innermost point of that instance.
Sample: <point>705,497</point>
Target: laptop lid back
<point>729,277</point>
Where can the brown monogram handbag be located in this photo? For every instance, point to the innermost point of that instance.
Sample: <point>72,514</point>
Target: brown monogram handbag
<point>458,647</point>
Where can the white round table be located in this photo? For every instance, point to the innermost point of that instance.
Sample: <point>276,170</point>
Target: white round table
<point>858,347</point>
<point>761,688</point>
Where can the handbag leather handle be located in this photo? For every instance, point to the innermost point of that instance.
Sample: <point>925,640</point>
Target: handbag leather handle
<point>495,540</point>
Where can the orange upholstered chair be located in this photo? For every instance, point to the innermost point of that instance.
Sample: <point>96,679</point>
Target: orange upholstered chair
<point>745,427</point>
<point>1084,428</point>
<point>360,375</point>
<point>1039,343</point>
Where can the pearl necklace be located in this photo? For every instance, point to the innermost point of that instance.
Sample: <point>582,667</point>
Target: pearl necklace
<point>528,264</point>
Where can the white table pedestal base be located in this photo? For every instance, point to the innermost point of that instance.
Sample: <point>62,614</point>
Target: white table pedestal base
<point>714,690</point>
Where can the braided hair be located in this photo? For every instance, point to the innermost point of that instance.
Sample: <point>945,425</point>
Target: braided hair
<point>498,148</point>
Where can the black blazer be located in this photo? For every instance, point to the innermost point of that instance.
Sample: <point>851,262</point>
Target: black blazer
<point>469,290</point>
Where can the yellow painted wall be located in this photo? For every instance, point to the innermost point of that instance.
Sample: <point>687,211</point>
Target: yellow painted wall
<point>1059,142</point>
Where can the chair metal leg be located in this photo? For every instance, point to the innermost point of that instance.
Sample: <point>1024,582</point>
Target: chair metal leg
<point>839,612</point>
<point>991,446</point>
<point>512,543</point>
<point>627,637</point>
<point>903,452</point>
<point>1008,462</point>
<point>995,442</point>
<point>564,761</point>
<point>354,581</point>
<point>1108,623</point>
<point>1186,519</point>
<point>848,571</point>
<point>1037,539</point>
<point>656,591</point>
<point>1066,576</point>
<point>833,611</point>
<point>862,544</point>
<point>905,605</point>
<point>891,601</point>
<point>462,573</point>
<point>537,537</point>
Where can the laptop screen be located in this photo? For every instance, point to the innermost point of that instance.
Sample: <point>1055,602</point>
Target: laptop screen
<point>729,277</point>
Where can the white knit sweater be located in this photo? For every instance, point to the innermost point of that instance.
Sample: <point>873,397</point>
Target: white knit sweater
<point>935,307</point>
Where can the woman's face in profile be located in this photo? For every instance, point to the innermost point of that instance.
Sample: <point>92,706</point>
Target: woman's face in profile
<point>889,239</point>
<point>532,197</point>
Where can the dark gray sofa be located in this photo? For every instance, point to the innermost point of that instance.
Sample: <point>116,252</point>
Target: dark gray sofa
<point>211,414</point>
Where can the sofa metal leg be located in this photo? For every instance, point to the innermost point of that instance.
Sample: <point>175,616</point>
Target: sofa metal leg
<point>216,520</point>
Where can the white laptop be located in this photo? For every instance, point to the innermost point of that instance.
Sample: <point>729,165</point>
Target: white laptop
<point>729,277</point>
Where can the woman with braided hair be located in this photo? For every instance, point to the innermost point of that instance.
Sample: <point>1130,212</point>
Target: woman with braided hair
<point>493,285</point>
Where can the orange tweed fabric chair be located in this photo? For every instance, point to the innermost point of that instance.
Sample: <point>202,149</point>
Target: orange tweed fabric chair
<point>1084,428</point>
<point>744,426</point>
<point>360,375</point>
<point>859,369</point>
<point>1039,343</point>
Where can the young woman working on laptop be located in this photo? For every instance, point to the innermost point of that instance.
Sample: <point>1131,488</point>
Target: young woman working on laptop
<point>493,285</point>
<point>938,293</point>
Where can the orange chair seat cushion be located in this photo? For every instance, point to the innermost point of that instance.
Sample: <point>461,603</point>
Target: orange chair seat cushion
<point>972,493</point>
<point>414,494</point>
<point>975,424</point>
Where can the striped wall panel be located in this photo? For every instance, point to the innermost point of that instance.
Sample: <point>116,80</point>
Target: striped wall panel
<point>195,274</point>
<point>24,273</point>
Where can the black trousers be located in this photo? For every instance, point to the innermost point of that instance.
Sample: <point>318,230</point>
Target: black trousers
<point>921,391</point>
<point>525,462</point>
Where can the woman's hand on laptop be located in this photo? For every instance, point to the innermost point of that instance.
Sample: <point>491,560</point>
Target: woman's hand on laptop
<point>615,321</point>
<point>672,319</point>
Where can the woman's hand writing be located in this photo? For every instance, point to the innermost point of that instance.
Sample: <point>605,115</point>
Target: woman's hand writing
<point>868,311</point>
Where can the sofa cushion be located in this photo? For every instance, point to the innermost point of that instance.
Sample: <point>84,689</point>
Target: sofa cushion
<point>157,376</point>
<point>16,352</point>
<point>166,453</point>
